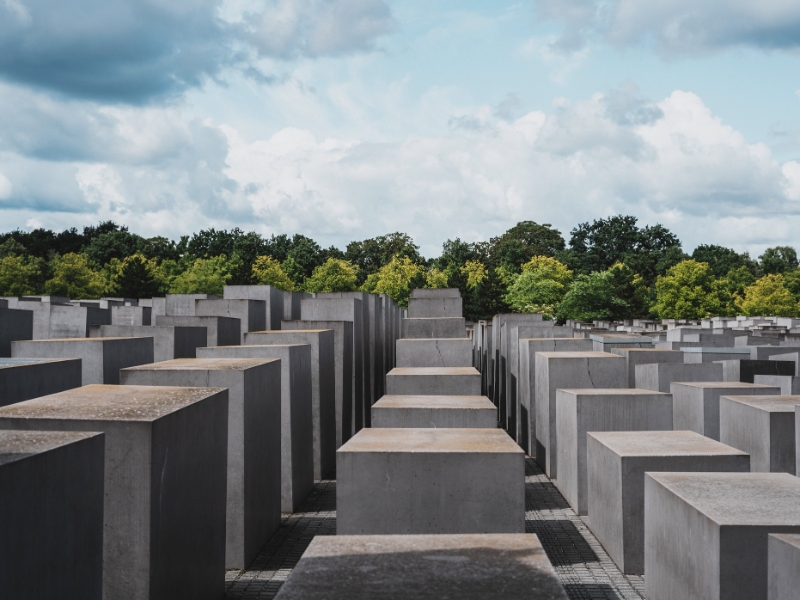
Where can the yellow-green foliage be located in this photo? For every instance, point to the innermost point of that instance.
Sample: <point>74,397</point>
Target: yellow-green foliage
<point>19,275</point>
<point>205,276</point>
<point>74,277</point>
<point>334,275</point>
<point>436,278</point>
<point>769,296</point>
<point>395,279</point>
<point>540,287</point>
<point>475,272</point>
<point>268,271</point>
<point>689,291</point>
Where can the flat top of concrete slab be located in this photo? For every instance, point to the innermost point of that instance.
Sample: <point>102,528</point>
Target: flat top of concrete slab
<point>203,364</point>
<point>109,403</point>
<point>707,350</point>
<point>16,445</point>
<point>793,539</point>
<point>610,338</point>
<point>6,363</point>
<point>738,498</point>
<point>612,392</point>
<point>409,440</point>
<point>421,401</point>
<point>662,443</point>
<point>97,340</point>
<point>434,371</point>
<point>286,331</point>
<point>579,354</point>
<point>768,403</point>
<point>428,340</point>
<point>425,567</point>
<point>725,385</point>
<point>261,346</point>
<point>634,350</point>
<point>433,318</point>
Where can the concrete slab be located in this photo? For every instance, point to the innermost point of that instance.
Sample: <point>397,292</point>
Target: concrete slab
<point>272,297</point>
<point>54,321</point>
<point>435,293</point>
<point>645,356</point>
<point>297,431</point>
<point>168,342</point>
<point>558,370</point>
<point>26,378</point>
<point>435,411</point>
<point>783,570</point>
<point>766,352</point>
<point>617,462</point>
<point>14,325</point>
<point>253,506</point>
<point>423,567</point>
<point>252,314</point>
<point>701,354</point>
<point>182,305</point>
<point>165,481</point>
<point>762,426</point>
<point>131,315</point>
<point>787,384</point>
<point>447,381</point>
<point>428,328</point>
<point>431,308</point>
<point>220,331</point>
<point>746,370</point>
<point>579,411</point>
<point>606,342</point>
<point>659,376</point>
<point>400,481</point>
<point>706,533</point>
<point>696,403</point>
<point>447,352</point>
<point>51,502</point>
<point>101,358</point>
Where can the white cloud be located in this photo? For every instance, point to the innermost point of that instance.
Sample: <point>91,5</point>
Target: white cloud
<point>5,187</point>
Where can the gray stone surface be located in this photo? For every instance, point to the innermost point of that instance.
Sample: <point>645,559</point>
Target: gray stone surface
<point>323,389</point>
<point>446,352</point>
<point>431,308</point>
<point>101,358</point>
<point>747,370</point>
<point>435,293</point>
<point>131,315</point>
<point>27,378</point>
<point>253,506</point>
<point>783,570</point>
<point>434,411</point>
<point>696,403</point>
<point>617,462</point>
<point>762,426</point>
<point>443,327</point>
<point>787,384</point>
<point>51,515</point>
<point>297,432</point>
<point>710,354</point>
<point>766,352</point>
<point>14,325</point>
<point>54,321</point>
<point>706,533</point>
<point>425,567</point>
<point>220,331</point>
<point>607,342</point>
<point>645,356</point>
<point>554,370</point>
<point>252,314</point>
<point>579,411</point>
<point>659,376</point>
<point>273,301</point>
<point>165,460</point>
<point>448,381</point>
<point>401,481</point>
<point>183,305</point>
<point>168,342</point>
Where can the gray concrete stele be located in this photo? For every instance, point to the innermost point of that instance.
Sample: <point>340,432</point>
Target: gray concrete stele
<point>659,376</point>
<point>448,381</point>
<point>27,378</point>
<point>169,342</point>
<point>472,412</point>
<point>784,566</point>
<point>445,352</point>
<point>220,331</point>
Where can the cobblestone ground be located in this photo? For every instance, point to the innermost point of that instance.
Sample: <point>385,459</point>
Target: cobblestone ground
<point>583,566</point>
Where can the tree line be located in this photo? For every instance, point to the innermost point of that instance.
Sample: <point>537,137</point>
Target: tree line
<point>610,269</point>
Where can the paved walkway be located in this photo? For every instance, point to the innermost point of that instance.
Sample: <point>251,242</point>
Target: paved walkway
<point>583,566</point>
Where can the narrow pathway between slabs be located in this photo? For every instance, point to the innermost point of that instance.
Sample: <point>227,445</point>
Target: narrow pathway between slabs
<point>584,568</point>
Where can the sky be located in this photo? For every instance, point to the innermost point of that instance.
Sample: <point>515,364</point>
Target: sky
<point>347,119</point>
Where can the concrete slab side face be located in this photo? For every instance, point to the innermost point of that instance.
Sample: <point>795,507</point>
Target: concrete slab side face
<point>165,482</point>
<point>447,381</point>
<point>14,325</point>
<point>645,356</point>
<point>428,328</point>
<point>453,352</point>
<point>272,297</point>
<point>659,376</point>
<point>24,379</point>
<point>784,566</point>
<point>472,412</point>
<point>401,481</point>
<point>616,464</point>
<point>706,533</point>
<point>252,314</point>
<point>254,452</point>
<point>424,567</point>
<point>51,502</point>
<point>168,342</point>
<point>220,331</point>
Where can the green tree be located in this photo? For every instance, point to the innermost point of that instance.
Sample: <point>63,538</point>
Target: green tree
<point>12,247</point>
<point>522,242</point>
<point>631,289</point>
<point>74,277</point>
<point>334,275</point>
<point>791,279</point>
<point>475,272</point>
<point>294,272</point>
<point>778,260</point>
<point>723,260</point>
<point>396,279</point>
<point>116,244</point>
<point>138,278</point>
<point>434,278</point>
<point>688,291</point>
<point>204,276</point>
<point>372,254</point>
<point>540,287</point>
<point>592,297</point>
<point>735,282</point>
<point>268,271</point>
<point>488,298</point>
<point>769,296</point>
<point>20,275</point>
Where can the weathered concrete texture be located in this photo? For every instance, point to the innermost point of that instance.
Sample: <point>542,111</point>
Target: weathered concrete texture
<point>608,342</point>
<point>696,404</point>
<point>343,364</point>
<point>787,384</point>
<point>297,451</point>
<point>707,355</point>
<point>165,461</point>
<point>51,523</point>
<point>706,533</point>
<point>659,376</point>
<point>131,315</point>
<point>54,321</point>
<point>252,314</point>
<point>645,356</point>
<point>448,352</point>
<point>400,481</point>
<point>434,411</point>
<point>526,387</point>
<point>443,327</point>
<point>435,293</point>
<point>183,305</point>
<point>558,370</point>
<point>26,378</point>
<point>273,301</point>
<point>424,567</point>
<point>253,506</point>
<point>579,411</point>
<point>766,352</point>
<point>617,462</point>
<point>220,331</point>
<point>14,325</point>
<point>783,570</point>
<point>431,308</point>
<point>323,389</point>
<point>168,342</point>
<point>101,358</point>
<point>762,426</point>
<point>447,381</point>
<point>746,370</point>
